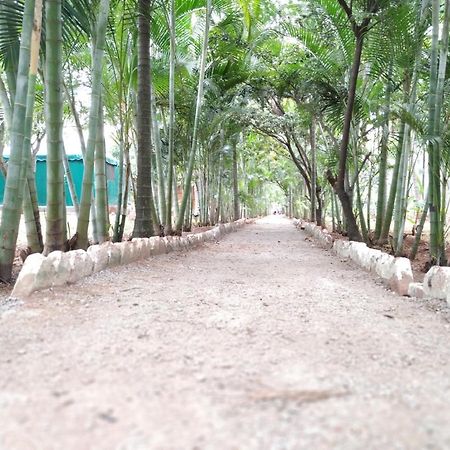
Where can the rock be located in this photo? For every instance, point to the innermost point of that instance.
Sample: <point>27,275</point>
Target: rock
<point>114,255</point>
<point>163,245</point>
<point>26,280</point>
<point>208,235</point>
<point>62,267</point>
<point>157,246</point>
<point>358,252</point>
<point>185,243</point>
<point>168,241</point>
<point>100,256</point>
<point>416,290</point>
<point>327,241</point>
<point>309,228</point>
<point>81,265</point>
<point>46,274</point>
<point>374,254</point>
<point>342,248</point>
<point>145,248</point>
<point>436,283</point>
<point>126,252</point>
<point>401,276</point>
<point>216,233</point>
<point>176,243</point>
<point>383,265</point>
<point>137,249</point>
<point>192,240</point>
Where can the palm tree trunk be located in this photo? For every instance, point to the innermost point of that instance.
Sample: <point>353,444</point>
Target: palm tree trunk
<point>12,204</point>
<point>437,77</point>
<point>124,211</point>
<point>76,118</point>
<point>143,222</point>
<point>159,164</point>
<point>236,207</point>
<point>31,188</point>
<point>190,168</point>
<point>97,66</point>
<point>312,138</point>
<point>101,187</point>
<point>419,230</point>
<point>393,189</point>
<point>170,161</point>
<point>70,182</point>
<point>56,227</point>
<point>175,204</point>
<point>381,200</point>
<point>32,220</point>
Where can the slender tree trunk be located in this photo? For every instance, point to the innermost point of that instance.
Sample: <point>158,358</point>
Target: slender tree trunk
<point>120,190</point>
<point>419,231</point>
<point>32,221</point>
<point>97,67</point>
<point>36,246</point>
<point>190,168</point>
<point>175,203</point>
<point>333,214</point>
<point>393,189</point>
<point>401,198</point>
<point>159,165</point>
<point>70,182</point>
<point>101,185</point>
<point>339,184</point>
<point>219,188</point>
<point>12,202</point>
<point>381,201</point>
<point>437,78</point>
<point>56,226</point>
<point>125,197</point>
<point>312,139</point>
<point>170,162</point>
<point>362,220</point>
<point>236,207</point>
<point>76,118</point>
<point>143,223</point>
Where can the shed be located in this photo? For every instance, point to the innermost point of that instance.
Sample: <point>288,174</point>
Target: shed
<point>77,168</point>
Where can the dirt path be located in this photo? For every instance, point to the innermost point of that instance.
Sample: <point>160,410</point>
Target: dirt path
<point>259,342</point>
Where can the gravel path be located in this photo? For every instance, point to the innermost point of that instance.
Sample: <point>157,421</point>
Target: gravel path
<point>261,341</point>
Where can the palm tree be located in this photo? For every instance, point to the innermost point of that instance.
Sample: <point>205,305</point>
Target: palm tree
<point>56,226</point>
<point>9,226</point>
<point>97,67</point>
<point>199,101</point>
<point>143,223</point>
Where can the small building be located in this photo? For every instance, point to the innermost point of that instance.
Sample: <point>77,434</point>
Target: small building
<point>76,168</point>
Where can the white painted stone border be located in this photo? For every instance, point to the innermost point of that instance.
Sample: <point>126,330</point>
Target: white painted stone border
<point>59,269</point>
<point>395,272</point>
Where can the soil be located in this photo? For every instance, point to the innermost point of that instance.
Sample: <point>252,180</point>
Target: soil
<point>260,341</point>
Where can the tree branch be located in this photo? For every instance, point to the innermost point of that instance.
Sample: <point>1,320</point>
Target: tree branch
<point>347,9</point>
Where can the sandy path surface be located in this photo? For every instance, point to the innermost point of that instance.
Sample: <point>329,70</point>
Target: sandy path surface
<point>261,341</point>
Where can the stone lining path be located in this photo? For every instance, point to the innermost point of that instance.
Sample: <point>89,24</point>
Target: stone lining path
<point>260,341</point>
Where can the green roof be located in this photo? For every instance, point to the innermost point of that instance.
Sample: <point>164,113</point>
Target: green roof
<point>74,157</point>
